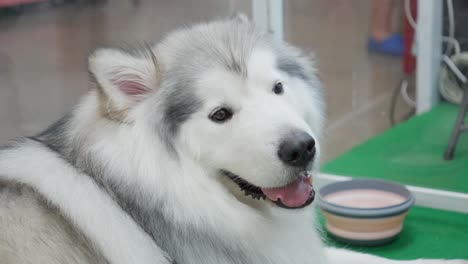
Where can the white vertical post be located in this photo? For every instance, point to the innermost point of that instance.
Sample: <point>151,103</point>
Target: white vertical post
<point>268,15</point>
<point>429,50</point>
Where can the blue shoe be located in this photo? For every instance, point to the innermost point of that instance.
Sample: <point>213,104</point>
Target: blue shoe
<point>392,45</point>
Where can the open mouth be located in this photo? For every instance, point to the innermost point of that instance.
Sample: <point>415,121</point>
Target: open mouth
<point>295,195</point>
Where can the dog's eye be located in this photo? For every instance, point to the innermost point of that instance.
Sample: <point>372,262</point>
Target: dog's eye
<point>278,88</point>
<point>221,115</point>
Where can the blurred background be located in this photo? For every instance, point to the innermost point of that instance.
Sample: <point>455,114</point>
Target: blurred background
<point>393,72</point>
<point>44,44</point>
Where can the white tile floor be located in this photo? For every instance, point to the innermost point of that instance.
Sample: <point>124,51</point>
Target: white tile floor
<point>43,50</point>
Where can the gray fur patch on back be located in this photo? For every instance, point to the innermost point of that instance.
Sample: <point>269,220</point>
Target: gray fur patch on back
<point>12,144</point>
<point>7,146</point>
<point>54,135</point>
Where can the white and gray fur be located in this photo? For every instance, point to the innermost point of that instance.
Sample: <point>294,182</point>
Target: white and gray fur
<point>136,177</point>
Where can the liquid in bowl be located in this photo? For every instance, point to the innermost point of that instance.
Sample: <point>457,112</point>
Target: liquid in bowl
<point>364,198</point>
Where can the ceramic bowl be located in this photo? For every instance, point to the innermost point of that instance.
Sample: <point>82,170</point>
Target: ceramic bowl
<point>365,212</point>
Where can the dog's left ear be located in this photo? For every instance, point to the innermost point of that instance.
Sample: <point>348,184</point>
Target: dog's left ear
<point>124,78</point>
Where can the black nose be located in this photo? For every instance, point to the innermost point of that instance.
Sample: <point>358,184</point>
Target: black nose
<point>297,149</point>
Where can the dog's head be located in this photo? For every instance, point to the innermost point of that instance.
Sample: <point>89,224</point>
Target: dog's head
<point>244,106</point>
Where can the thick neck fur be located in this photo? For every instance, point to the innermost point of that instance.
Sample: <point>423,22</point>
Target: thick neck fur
<point>189,213</point>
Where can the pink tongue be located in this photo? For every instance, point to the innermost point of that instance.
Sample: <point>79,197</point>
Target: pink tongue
<point>294,194</point>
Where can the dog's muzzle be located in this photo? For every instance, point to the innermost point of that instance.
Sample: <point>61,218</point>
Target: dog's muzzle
<point>295,195</point>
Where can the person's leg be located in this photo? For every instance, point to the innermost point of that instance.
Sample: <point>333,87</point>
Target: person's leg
<point>382,38</point>
<point>381,19</point>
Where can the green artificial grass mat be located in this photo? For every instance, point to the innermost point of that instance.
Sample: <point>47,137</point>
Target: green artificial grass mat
<point>411,153</point>
<point>427,233</point>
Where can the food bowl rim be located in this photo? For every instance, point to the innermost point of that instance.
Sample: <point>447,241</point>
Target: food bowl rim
<point>356,184</point>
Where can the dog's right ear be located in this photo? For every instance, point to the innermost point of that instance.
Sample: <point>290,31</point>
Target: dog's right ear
<point>124,78</point>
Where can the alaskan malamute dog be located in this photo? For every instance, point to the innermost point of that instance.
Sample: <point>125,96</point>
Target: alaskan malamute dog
<point>194,150</point>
